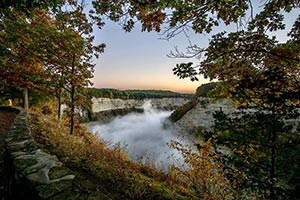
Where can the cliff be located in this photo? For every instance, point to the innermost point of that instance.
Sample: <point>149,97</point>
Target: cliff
<point>104,104</point>
<point>202,114</point>
<point>107,116</point>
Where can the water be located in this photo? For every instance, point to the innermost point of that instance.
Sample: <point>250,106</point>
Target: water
<point>143,136</point>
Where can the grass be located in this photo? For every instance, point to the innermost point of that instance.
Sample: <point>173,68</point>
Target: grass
<point>108,171</point>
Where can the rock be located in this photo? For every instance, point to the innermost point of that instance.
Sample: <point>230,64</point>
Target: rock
<point>108,115</point>
<point>39,172</point>
<point>202,114</point>
<point>49,190</point>
<point>103,104</point>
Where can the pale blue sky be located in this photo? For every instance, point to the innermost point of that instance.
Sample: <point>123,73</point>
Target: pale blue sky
<point>137,60</point>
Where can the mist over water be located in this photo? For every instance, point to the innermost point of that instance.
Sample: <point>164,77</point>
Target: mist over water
<point>144,137</point>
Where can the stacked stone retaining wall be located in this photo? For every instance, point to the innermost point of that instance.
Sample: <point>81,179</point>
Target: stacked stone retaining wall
<point>34,173</point>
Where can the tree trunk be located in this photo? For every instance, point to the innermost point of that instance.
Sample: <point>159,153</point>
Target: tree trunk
<point>273,160</point>
<point>72,110</point>
<point>59,105</point>
<point>272,168</point>
<point>25,97</point>
<point>72,97</point>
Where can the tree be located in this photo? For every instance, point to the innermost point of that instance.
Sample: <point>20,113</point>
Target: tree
<point>204,171</point>
<point>79,55</point>
<point>250,139</point>
<point>28,5</point>
<point>258,72</point>
<point>21,66</point>
<point>52,51</point>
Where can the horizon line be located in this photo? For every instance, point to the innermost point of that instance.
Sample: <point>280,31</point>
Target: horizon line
<point>124,89</point>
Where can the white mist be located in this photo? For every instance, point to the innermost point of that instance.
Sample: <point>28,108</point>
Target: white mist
<point>143,136</point>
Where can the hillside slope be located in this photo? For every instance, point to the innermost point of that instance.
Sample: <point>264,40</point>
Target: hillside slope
<point>105,173</point>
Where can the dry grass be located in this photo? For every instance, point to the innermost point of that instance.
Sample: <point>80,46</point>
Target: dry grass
<point>111,168</point>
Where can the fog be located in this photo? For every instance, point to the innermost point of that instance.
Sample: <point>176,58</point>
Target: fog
<point>144,136</point>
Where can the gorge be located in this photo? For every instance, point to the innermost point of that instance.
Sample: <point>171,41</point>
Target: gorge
<point>145,133</point>
<point>143,129</point>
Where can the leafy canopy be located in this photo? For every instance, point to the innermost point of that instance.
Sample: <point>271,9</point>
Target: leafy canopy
<point>243,56</point>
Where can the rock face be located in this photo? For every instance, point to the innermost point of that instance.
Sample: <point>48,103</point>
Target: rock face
<point>202,114</point>
<point>107,116</point>
<point>103,104</point>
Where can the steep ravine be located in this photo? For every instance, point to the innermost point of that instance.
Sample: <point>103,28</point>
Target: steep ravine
<point>201,114</point>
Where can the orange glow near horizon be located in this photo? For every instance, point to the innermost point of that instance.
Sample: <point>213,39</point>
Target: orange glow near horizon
<point>176,85</point>
<point>188,90</point>
<point>145,79</point>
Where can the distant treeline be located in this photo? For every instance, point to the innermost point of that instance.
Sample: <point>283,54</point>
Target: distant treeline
<point>135,94</point>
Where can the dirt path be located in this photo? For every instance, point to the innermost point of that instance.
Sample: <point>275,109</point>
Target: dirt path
<point>6,119</point>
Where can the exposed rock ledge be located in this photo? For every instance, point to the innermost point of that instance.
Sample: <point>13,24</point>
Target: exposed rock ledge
<point>202,115</point>
<point>36,174</point>
<point>107,116</point>
<point>103,104</point>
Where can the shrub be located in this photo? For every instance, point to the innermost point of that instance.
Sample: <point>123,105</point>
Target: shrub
<point>204,171</point>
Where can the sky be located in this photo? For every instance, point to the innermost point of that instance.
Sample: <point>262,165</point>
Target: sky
<point>138,60</point>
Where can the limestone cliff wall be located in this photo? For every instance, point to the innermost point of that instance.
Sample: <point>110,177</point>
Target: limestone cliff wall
<point>103,104</point>
<point>202,114</point>
<point>107,116</point>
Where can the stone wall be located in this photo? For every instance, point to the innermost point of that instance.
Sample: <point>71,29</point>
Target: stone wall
<point>35,174</point>
<point>103,104</point>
